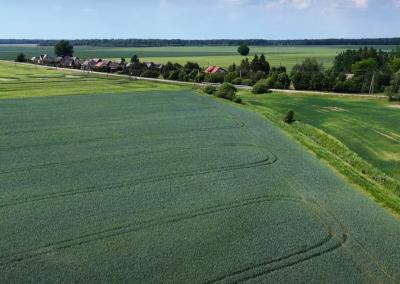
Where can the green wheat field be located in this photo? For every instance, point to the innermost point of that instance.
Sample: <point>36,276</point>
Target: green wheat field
<point>110,180</point>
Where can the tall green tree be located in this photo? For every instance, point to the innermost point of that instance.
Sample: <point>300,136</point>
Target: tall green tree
<point>394,65</point>
<point>264,64</point>
<point>135,59</point>
<point>244,50</point>
<point>21,58</point>
<point>255,64</point>
<point>308,75</point>
<point>63,48</point>
<point>245,66</point>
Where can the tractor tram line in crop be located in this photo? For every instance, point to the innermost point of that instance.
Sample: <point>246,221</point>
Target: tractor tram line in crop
<point>170,186</point>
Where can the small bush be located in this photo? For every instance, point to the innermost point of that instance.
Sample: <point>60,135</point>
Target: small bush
<point>210,90</point>
<point>226,91</point>
<point>237,100</point>
<point>237,81</point>
<point>230,77</point>
<point>150,74</point>
<point>289,118</point>
<point>214,78</point>
<point>260,88</point>
<point>247,82</point>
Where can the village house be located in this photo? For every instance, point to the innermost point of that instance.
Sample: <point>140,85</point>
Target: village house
<point>153,66</point>
<point>76,63</point>
<point>114,67</point>
<point>88,65</point>
<point>215,70</point>
<point>103,65</point>
<point>66,62</point>
<point>34,60</point>
<point>46,59</point>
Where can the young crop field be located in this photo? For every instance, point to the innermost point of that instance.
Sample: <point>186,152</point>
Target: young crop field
<point>208,55</point>
<point>18,81</point>
<point>153,183</point>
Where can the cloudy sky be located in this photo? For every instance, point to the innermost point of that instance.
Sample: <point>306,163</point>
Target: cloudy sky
<point>200,19</point>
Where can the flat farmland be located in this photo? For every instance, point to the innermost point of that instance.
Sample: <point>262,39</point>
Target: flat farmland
<point>170,186</point>
<point>223,56</point>
<point>369,127</point>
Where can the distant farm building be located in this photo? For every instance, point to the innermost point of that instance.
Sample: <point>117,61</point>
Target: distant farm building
<point>215,70</point>
<point>153,66</point>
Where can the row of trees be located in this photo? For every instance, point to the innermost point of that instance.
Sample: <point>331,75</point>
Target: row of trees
<point>247,73</point>
<point>218,42</point>
<point>354,71</point>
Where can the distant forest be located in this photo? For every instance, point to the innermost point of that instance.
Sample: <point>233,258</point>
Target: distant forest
<point>214,42</point>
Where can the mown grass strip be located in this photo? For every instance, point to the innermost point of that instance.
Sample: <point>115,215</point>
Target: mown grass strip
<point>384,189</point>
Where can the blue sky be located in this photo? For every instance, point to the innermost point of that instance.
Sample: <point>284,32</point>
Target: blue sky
<point>199,19</point>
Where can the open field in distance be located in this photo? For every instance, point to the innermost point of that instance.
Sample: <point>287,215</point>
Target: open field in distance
<point>209,55</point>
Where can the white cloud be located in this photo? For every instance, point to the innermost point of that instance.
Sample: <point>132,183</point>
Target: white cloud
<point>290,4</point>
<point>301,4</point>
<point>361,3</point>
<point>163,3</point>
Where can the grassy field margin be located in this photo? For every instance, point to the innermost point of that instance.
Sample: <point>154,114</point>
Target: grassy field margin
<point>382,188</point>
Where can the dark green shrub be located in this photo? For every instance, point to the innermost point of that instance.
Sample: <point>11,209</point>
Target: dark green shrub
<point>260,88</point>
<point>210,90</point>
<point>247,82</point>
<point>230,77</point>
<point>349,86</point>
<point>214,78</point>
<point>237,100</point>
<point>237,81</point>
<point>257,76</point>
<point>150,74</point>
<point>289,118</point>
<point>226,91</point>
<point>21,58</point>
<point>173,75</point>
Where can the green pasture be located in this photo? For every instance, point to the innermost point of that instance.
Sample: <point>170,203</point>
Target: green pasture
<point>369,127</point>
<point>18,81</point>
<point>151,184</point>
<point>206,55</point>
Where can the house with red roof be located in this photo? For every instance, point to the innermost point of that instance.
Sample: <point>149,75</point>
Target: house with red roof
<point>215,70</point>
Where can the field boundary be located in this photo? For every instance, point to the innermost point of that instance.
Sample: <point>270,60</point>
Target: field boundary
<point>379,186</point>
<point>181,83</point>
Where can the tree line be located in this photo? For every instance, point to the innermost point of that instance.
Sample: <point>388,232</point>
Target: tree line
<point>211,42</point>
<point>366,70</point>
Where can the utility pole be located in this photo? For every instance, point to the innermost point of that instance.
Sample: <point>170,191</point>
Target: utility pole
<point>371,88</point>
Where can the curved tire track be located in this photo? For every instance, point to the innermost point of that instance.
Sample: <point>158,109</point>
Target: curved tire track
<point>267,160</point>
<point>336,238</point>
<point>326,245</point>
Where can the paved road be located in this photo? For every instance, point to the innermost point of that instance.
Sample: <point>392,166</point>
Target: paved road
<point>241,87</point>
